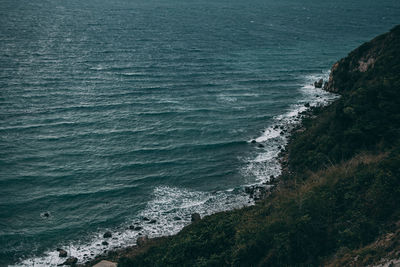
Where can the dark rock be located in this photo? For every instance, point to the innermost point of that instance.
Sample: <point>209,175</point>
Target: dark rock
<point>71,261</point>
<point>141,241</point>
<point>257,192</point>
<point>307,105</point>
<point>260,145</point>
<point>107,234</point>
<point>146,219</point>
<point>104,243</point>
<point>138,228</point>
<point>152,221</point>
<point>131,227</point>
<point>318,84</point>
<point>176,218</point>
<point>253,141</point>
<point>62,253</point>
<point>196,217</point>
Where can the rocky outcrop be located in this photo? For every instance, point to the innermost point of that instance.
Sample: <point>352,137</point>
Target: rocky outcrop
<point>318,84</point>
<point>348,71</point>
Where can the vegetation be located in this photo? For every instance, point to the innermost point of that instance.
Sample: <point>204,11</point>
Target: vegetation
<point>339,196</point>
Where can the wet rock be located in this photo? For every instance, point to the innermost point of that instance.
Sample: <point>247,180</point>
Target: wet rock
<point>146,219</point>
<point>253,141</point>
<point>176,218</point>
<point>71,261</point>
<point>195,217</point>
<point>318,84</point>
<point>62,253</point>
<point>141,241</point>
<point>107,234</point>
<point>104,243</point>
<point>153,221</point>
<point>307,105</point>
<point>131,227</point>
<point>260,145</point>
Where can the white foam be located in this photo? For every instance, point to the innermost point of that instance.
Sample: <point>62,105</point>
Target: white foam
<point>265,164</point>
<point>168,204</point>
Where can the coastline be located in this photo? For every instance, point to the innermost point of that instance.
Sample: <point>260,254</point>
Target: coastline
<point>257,192</point>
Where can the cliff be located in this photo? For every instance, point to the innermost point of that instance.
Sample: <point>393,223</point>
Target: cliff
<point>337,204</point>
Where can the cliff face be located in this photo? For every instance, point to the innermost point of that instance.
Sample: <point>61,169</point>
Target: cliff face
<point>337,203</point>
<point>362,61</point>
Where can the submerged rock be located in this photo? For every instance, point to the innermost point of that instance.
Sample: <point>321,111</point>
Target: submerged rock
<point>195,217</point>
<point>107,234</point>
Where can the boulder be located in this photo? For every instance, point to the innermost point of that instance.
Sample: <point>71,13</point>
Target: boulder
<point>105,263</point>
<point>152,221</point>
<point>138,228</point>
<point>146,219</point>
<point>107,234</point>
<point>318,84</point>
<point>104,243</point>
<point>307,105</point>
<point>176,218</point>
<point>253,141</point>
<point>71,261</point>
<point>141,241</point>
<point>62,253</point>
<point>196,217</point>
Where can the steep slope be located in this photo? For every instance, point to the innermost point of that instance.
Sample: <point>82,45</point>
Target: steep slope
<point>339,196</point>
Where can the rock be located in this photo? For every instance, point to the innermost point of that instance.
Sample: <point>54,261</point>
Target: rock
<point>62,253</point>
<point>107,234</point>
<point>141,241</point>
<point>152,221</point>
<point>146,219</point>
<point>138,228</point>
<point>307,105</point>
<point>257,192</point>
<point>176,218</point>
<point>318,84</point>
<point>253,141</point>
<point>104,243</point>
<point>45,214</point>
<point>71,261</point>
<point>260,145</point>
<point>196,217</point>
<point>105,263</point>
<point>131,227</point>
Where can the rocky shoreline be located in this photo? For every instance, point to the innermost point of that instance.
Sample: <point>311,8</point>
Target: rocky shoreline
<point>257,192</point>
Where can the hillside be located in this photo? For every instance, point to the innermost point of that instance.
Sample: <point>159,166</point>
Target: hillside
<point>337,202</point>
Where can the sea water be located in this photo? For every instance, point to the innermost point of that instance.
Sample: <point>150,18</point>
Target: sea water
<point>117,111</point>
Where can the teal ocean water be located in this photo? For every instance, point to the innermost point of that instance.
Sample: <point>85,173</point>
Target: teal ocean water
<point>115,111</point>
